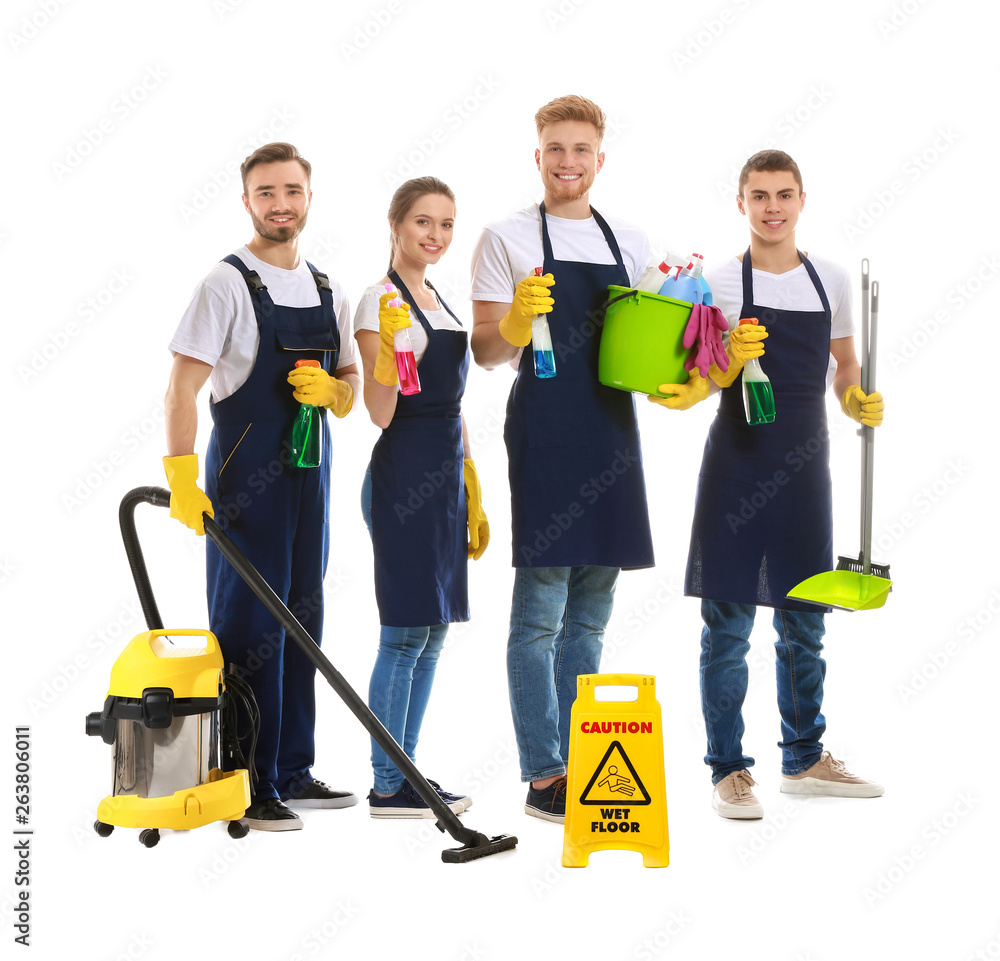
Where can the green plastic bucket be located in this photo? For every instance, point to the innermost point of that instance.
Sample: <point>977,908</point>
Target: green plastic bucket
<point>641,344</point>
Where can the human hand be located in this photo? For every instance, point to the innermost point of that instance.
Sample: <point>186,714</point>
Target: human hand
<point>531,297</point>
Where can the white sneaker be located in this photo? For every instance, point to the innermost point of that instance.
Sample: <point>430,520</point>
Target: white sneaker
<point>732,797</point>
<point>829,778</point>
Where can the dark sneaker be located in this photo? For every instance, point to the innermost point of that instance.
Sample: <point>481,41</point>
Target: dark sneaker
<point>269,814</point>
<point>548,803</point>
<point>450,798</point>
<point>310,793</point>
<point>405,803</point>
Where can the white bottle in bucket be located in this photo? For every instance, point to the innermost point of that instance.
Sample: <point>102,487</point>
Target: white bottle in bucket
<point>652,280</point>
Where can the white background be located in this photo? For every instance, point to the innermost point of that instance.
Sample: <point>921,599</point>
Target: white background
<point>124,125</point>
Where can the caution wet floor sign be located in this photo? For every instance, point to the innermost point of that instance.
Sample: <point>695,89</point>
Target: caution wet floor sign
<point>616,796</point>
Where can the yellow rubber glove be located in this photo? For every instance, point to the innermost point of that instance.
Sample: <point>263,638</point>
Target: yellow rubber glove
<point>685,395</point>
<point>867,409</point>
<point>390,319</point>
<point>479,528</point>
<point>744,344</point>
<point>188,502</point>
<point>315,386</point>
<point>531,297</point>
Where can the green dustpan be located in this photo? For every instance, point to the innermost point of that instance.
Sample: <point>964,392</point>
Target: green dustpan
<point>857,584</point>
<point>846,590</point>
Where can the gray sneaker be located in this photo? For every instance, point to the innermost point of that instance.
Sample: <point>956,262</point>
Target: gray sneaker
<point>829,778</point>
<point>732,797</point>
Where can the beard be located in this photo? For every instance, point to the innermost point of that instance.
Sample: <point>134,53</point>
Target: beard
<point>573,190</point>
<point>279,234</point>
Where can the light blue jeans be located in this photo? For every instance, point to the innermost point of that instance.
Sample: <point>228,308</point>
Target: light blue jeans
<point>800,674</point>
<point>557,621</point>
<point>401,681</point>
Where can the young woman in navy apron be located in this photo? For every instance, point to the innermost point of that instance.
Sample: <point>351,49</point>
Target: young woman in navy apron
<point>415,498</point>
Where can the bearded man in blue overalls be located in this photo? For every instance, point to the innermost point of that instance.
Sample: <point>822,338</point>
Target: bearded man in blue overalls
<point>257,313</point>
<point>742,559</point>
<point>578,495</point>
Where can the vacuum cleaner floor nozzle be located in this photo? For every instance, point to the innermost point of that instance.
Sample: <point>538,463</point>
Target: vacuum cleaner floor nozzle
<point>479,847</point>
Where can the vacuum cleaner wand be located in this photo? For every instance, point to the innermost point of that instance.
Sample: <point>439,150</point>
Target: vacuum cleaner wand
<point>474,844</point>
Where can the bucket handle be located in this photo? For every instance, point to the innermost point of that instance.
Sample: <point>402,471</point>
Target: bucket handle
<point>614,300</point>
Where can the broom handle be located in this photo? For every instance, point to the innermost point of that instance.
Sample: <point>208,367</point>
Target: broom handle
<point>865,300</point>
<point>868,435</point>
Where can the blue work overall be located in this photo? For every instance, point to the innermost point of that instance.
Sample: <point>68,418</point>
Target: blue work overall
<point>278,515</point>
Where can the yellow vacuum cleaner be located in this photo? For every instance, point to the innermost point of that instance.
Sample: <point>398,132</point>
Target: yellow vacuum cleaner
<point>127,715</point>
<point>165,717</point>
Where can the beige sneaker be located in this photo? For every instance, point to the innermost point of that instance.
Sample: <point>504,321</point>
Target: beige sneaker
<point>829,778</point>
<point>732,797</point>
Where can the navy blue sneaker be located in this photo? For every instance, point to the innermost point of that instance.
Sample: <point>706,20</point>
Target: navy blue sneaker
<point>310,793</point>
<point>405,803</point>
<point>548,803</point>
<point>450,798</point>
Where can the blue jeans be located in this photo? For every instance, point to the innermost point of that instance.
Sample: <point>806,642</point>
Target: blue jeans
<point>800,673</point>
<point>557,621</point>
<point>401,681</point>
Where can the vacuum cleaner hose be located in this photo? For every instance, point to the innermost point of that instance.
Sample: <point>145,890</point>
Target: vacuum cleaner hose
<point>159,497</point>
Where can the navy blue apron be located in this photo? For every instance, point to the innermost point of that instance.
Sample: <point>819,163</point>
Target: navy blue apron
<point>578,496</point>
<point>419,519</point>
<point>278,515</point>
<point>763,515</point>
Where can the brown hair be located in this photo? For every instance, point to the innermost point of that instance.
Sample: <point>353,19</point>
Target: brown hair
<point>572,107</point>
<point>406,196</point>
<point>274,153</point>
<point>769,160</point>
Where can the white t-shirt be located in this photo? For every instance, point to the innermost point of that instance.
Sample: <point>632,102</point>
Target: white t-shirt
<point>792,290</point>
<point>220,327</point>
<point>509,250</point>
<point>366,318</point>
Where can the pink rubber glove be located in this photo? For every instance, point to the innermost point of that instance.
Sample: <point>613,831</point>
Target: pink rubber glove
<point>704,329</point>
